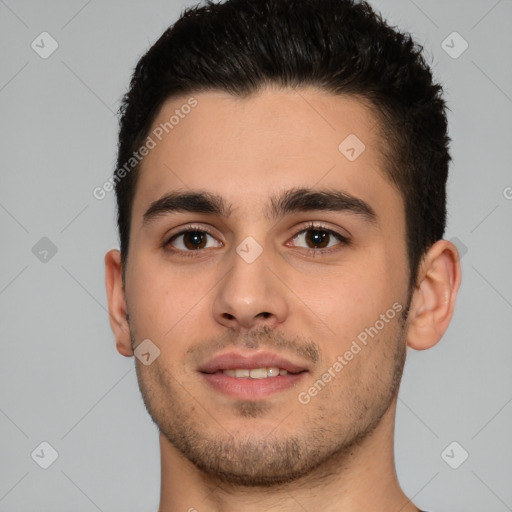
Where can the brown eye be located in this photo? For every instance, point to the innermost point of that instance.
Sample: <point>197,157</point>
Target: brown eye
<point>193,240</point>
<point>316,237</point>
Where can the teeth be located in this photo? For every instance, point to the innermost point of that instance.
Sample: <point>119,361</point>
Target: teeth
<point>255,373</point>
<point>259,373</point>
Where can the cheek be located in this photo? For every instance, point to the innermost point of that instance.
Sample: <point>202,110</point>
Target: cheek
<point>350,300</point>
<point>159,297</point>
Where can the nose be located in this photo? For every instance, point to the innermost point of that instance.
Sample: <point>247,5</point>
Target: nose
<point>250,295</point>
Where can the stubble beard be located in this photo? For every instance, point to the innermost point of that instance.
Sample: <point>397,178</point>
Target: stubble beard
<point>240,459</point>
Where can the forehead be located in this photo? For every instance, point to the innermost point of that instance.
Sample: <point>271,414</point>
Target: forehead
<point>247,149</point>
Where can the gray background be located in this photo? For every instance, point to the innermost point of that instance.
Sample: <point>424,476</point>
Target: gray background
<point>61,379</point>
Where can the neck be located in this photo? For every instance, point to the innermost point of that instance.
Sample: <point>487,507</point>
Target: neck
<point>364,478</point>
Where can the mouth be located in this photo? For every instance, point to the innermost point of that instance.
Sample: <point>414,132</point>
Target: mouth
<point>252,377</point>
<point>254,373</point>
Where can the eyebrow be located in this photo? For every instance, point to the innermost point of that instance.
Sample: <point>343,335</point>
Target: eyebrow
<point>291,201</point>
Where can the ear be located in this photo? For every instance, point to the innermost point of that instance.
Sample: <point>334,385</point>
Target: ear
<point>433,300</point>
<point>117,303</point>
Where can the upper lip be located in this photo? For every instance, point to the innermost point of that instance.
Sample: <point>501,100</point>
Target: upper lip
<point>233,360</point>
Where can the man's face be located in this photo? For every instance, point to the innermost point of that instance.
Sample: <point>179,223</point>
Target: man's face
<point>294,285</point>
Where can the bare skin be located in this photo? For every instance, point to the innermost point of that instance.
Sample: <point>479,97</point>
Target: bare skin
<point>308,297</point>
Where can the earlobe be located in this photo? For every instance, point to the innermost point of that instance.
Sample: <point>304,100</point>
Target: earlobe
<point>433,300</point>
<point>116,302</point>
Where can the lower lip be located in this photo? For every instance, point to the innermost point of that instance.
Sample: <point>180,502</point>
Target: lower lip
<point>247,388</point>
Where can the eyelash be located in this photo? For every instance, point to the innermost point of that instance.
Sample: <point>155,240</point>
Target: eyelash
<point>311,252</point>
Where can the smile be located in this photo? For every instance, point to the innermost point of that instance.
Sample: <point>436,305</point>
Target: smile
<point>255,373</point>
